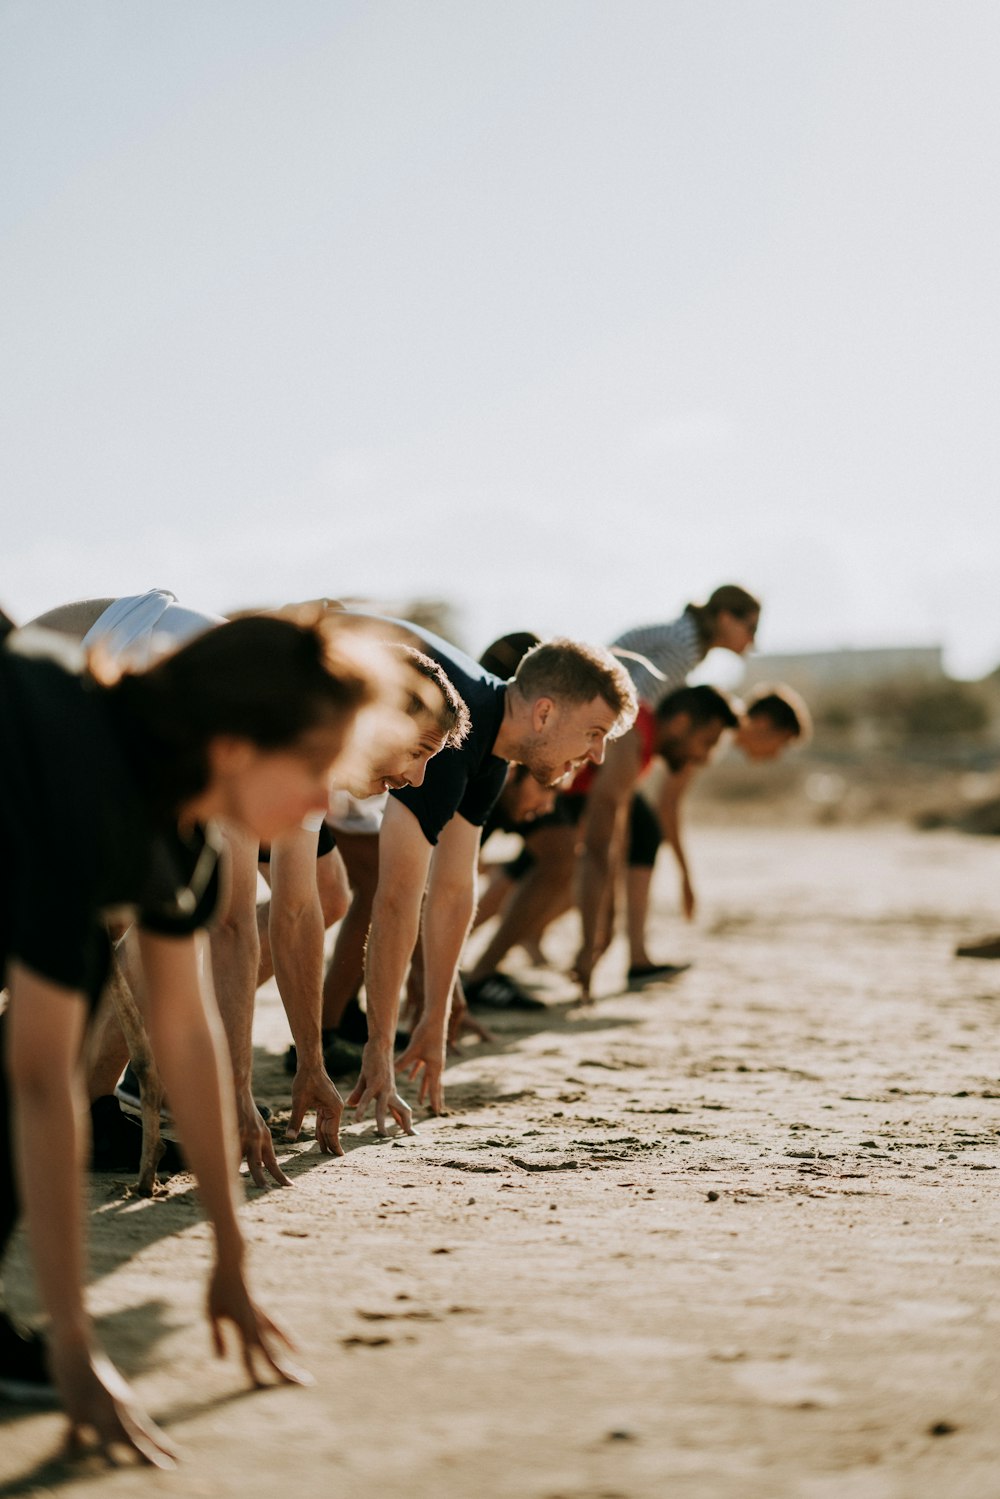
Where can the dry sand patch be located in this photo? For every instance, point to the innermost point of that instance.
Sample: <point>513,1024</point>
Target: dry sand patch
<point>734,1236</point>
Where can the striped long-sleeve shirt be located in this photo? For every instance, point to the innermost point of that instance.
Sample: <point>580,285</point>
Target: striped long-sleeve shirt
<point>674,648</point>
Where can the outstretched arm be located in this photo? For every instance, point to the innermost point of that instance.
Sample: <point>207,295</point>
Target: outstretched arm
<point>190,1050</point>
<point>45,1030</point>
<point>235,957</point>
<point>296,937</point>
<point>404,859</point>
<point>448,911</point>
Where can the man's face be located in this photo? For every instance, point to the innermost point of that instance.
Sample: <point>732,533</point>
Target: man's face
<point>523,799</point>
<point>566,736</point>
<point>404,763</point>
<point>681,743</point>
<point>760,739</point>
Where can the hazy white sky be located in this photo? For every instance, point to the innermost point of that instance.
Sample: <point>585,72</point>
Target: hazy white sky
<point>566,310</point>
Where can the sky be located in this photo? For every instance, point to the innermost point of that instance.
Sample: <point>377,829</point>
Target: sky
<point>564,311</point>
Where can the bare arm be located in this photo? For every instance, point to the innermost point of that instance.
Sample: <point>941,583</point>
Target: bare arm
<point>448,911</point>
<point>296,932</point>
<point>45,1033</point>
<point>404,860</point>
<point>190,1049</point>
<point>235,958</point>
<point>296,936</point>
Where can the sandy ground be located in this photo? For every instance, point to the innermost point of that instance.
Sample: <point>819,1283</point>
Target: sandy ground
<point>736,1236</point>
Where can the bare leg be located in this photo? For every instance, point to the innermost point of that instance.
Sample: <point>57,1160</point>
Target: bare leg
<point>106,1049</point>
<point>148,1075</point>
<point>345,973</point>
<point>545,891</point>
<point>235,959</point>
<point>334,896</point>
<point>638,883</point>
<point>119,1036</point>
<point>235,952</point>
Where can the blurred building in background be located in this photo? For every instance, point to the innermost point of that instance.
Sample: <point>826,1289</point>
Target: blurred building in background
<point>816,673</point>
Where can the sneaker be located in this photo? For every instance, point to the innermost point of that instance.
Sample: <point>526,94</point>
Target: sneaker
<point>326,1036</point>
<point>353,1024</point>
<point>116,1141</point>
<point>341,1058</point>
<point>129,1095</point>
<point>498,991</point>
<point>989,947</point>
<point>24,1374</point>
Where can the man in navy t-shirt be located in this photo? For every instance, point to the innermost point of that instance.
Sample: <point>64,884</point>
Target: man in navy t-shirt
<point>558,712</point>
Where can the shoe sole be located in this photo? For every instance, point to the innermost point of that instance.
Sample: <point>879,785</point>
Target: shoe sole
<point>663,973</point>
<point>132,1106</point>
<point>23,1392</point>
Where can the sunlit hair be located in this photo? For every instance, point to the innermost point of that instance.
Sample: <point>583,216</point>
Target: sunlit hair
<point>570,672</point>
<point>262,678</point>
<point>702,705</point>
<point>445,706</point>
<point>504,656</point>
<point>783,709</point>
<point>730,598</point>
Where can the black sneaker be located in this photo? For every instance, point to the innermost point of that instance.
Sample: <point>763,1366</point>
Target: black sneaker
<point>116,1141</point>
<point>327,1035</point>
<point>651,973</point>
<point>24,1374</point>
<point>498,991</point>
<point>129,1096</point>
<point>353,1024</point>
<point>341,1058</point>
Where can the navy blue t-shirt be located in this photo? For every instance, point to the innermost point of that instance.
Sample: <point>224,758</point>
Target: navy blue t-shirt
<point>466,780</point>
<point>79,832</point>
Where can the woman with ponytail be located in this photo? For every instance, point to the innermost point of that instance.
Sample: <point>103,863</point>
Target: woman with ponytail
<point>246,723</point>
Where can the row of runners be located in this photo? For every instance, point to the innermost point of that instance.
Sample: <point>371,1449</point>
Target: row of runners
<point>177,755</point>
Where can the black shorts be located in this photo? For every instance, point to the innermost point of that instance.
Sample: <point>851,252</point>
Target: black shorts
<point>517,868</point>
<point>326,842</point>
<point>644,836</point>
<point>565,814</point>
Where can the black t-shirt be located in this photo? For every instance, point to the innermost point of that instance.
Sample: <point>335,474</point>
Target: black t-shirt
<point>468,779</point>
<point>80,836</point>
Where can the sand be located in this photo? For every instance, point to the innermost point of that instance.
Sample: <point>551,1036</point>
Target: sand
<point>733,1236</point>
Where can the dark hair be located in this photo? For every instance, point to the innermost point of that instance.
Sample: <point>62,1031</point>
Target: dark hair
<point>449,711</point>
<point>260,678</point>
<point>702,704</point>
<point>7,625</point>
<point>783,708</point>
<point>504,656</point>
<point>569,671</point>
<point>730,598</point>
